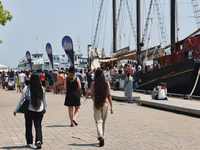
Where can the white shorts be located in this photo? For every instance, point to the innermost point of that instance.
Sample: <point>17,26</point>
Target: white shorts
<point>22,84</point>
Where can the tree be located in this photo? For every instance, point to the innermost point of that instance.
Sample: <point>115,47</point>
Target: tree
<point>4,16</point>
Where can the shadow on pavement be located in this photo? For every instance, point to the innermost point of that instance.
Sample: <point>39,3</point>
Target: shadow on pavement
<point>17,147</point>
<point>59,126</point>
<point>94,144</point>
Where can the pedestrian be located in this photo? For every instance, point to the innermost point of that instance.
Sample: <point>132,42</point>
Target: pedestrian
<point>129,87</point>
<point>79,75</point>
<point>22,80</point>
<point>72,99</point>
<point>50,79</point>
<point>89,81</point>
<point>83,83</point>
<point>6,81</point>
<point>42,79</point>
<point>36,109</point>
<point>60,81</point>
<point>100,93</point>
<point>27,78</point>
<point>46,79</point>
<point>3,79</point>
<point>18,82</point>
<point>54,74</point>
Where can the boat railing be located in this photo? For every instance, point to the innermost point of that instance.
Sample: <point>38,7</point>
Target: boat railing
<point>191,96</point>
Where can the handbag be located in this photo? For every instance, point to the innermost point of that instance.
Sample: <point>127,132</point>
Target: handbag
<point>25,103</point>
<point>135,85</point>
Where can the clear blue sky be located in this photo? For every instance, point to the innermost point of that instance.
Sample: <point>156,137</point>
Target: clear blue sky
<point>51,20</point>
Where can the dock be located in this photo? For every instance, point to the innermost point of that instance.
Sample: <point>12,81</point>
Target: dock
<point>177,104</point>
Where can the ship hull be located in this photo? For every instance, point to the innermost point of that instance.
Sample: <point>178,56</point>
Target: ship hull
<point>180,78</point>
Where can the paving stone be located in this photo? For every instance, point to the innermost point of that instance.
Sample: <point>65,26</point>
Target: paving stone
<point>131,127</point>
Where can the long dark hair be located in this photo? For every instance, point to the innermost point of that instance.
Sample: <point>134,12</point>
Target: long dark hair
<point>36,91</point>
<point>100,89</point>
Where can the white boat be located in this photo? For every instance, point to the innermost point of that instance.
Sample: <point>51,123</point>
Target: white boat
<point>3,68</point>
<point>61,62</point>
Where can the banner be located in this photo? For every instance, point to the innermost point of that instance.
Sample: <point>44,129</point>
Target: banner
<point>49,53</point>
<point>68,48</point>
<point>28,57</point>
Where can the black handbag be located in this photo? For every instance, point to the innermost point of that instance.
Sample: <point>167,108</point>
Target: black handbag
<point>25,103</point>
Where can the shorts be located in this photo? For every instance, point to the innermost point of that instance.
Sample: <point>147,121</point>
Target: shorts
<point>18,86</point>
<point>50,83</point>
<point>6,83</point>
<point>22,84</point>
<point>60,85</point>
<point>89,85</point>
<point>54,83</point>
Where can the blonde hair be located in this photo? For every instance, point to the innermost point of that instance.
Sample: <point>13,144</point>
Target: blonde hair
<point>72,76</point>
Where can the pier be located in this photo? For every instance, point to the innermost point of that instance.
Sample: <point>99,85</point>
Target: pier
<point>132,126</point>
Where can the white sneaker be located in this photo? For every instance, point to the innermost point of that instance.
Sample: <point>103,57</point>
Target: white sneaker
<point>28,145</point>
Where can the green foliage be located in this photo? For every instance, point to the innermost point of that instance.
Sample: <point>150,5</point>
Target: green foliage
<point>4,16</point>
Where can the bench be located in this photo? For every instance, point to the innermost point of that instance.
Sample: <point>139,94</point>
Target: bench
<point>171,105</point>
<point>122,97</point>
<point>139,90</point>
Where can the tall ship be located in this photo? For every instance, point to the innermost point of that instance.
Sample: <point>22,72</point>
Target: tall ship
<point>180,68</point>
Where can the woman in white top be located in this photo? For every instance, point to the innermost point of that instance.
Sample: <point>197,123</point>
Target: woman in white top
<point>162,94</point>
<point>129,87</point>
<point>37,107</point>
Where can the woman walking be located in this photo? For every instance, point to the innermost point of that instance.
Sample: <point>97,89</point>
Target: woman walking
<point>100,93</point>
<point>72,99</point>
<point>37,107</point>
<point>129,87</point>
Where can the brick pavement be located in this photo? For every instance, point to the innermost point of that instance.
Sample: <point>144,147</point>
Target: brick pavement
<point>131,127</point>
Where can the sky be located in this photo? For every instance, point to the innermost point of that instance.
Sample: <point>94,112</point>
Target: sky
<point>51,20</point>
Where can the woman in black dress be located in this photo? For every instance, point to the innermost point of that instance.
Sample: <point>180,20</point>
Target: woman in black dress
<point>72,99</point>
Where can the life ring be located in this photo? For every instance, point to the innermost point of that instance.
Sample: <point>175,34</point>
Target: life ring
<point>188,44</point>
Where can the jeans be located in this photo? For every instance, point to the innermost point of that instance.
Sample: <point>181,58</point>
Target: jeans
<point>83,89</point>
<point>35,117</point>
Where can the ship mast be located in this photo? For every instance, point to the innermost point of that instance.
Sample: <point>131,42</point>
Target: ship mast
<point>173,24</point>
<point>138,32</point>
<point>114,27</point>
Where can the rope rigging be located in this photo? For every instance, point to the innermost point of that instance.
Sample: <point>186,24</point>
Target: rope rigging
<point>98,20</point>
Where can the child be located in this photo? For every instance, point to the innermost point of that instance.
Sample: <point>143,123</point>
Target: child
<point>6,81</point>
<point>18,83</point>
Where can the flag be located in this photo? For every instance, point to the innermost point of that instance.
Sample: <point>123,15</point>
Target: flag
<point>68,48</point>
<point>49,53</point>
<point>28,57</point>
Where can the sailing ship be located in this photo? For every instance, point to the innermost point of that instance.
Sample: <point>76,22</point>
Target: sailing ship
<point>180,69</point>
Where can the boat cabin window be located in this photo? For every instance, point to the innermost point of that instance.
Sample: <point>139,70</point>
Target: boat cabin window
<point>54,58</point>
<point>57,58</point>
<point>181,46</point>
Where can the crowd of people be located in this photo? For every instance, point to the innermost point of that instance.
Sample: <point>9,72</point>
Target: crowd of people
<point>75,84</point>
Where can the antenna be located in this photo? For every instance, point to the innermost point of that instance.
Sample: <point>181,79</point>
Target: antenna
<point>37,44</point>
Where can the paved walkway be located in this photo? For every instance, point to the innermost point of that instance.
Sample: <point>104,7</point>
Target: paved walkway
<point>131,127</point>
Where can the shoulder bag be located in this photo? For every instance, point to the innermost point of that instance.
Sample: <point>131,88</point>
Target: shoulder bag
<point>25,103</point>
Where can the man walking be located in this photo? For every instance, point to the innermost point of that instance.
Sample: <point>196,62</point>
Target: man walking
<point>22,80</point>
<point>54,74</point>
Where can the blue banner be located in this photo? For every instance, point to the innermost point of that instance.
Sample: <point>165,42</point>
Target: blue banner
<point>28,57</point>
<point>49,53</point>
<point>68,48</point>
